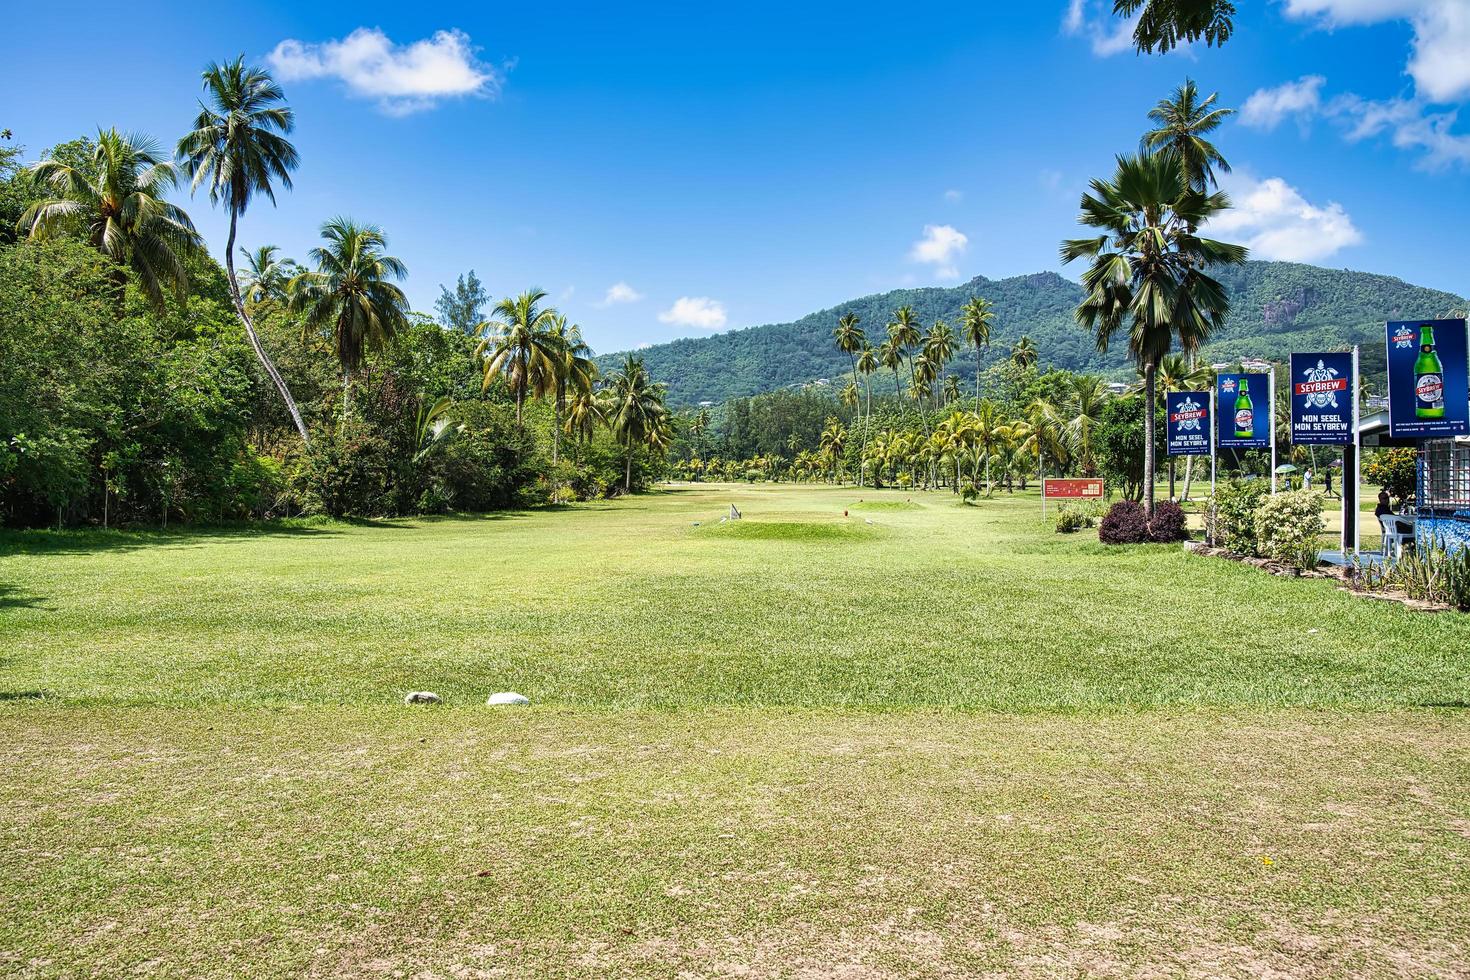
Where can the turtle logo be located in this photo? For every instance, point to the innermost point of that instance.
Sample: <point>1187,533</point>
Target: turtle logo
<point>1189,415</point>
<point>1321,374</point>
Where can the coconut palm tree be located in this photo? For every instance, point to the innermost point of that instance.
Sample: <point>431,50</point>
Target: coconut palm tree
<point>1181,123</point>
<point>351,295</point>
<point>239,148</point>
<point>890,355</point>
<point>991,431</point>
<point>951,389</point>
<point>1024,353</point>
<point>833,439</point>
<point>1148,276</point>
<point>585,412</point>
<point>1081,411</point>
<point>905,333</point>
<point>574,371</point>
<point>635,410</point>
<point>116,204</point>
<point>850,338</point>
<point>521,346</point>
<point>940,345</point>
<point>1164,24</point>
<point>976,318</point>
<point>265,276</point>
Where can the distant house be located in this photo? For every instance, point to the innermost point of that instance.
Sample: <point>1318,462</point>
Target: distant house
<point>1117,388</point>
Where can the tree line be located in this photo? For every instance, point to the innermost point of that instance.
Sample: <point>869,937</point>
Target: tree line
<point>139,381</point>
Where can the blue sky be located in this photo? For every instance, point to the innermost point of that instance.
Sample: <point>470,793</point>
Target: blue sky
<point>725,168</point>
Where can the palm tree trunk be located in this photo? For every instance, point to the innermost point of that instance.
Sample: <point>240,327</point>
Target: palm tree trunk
<point>628,472</point>
<point>1149,373</point>
<point>260,354</point>
<point>1188,473</point>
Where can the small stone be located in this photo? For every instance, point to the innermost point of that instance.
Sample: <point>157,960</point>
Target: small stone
<point>507,697</point>
<point>422,697</point>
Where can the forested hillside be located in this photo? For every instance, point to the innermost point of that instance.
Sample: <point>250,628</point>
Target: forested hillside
<point>1278,307</point>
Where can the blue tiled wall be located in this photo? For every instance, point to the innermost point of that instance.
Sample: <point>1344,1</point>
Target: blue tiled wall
<point>1452,533</point>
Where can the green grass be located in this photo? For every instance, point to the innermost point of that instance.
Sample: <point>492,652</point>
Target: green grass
<point>941,743</point>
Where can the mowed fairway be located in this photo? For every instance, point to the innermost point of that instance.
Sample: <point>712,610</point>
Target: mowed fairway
<point>944,743</point>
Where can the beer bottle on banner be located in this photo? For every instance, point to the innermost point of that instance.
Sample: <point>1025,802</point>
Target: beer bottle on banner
<point>1245,413</point>
<point>1428,378</point>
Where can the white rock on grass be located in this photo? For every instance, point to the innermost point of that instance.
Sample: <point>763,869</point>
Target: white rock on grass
<point>422,697</point>
<point>507,697</point>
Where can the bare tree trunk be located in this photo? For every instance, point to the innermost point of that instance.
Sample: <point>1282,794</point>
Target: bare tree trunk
<point>628,472</point>
<point>1149,374</point>
<point>1188,473</point>
<point>260,354</point>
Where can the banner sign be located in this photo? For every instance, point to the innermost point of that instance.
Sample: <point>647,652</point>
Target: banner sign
<point>1428,395</point>
<point>1072,489</point>
<point>1322,399</point>
<point>1189,423</point>
<point>1243,411</point>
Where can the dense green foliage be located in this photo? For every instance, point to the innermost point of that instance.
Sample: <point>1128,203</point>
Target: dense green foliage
<point>1275,308</point>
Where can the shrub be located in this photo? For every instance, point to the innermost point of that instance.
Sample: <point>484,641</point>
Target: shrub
<point>1071,519</point>
<point>348,472</point>
<point>1395,470</point>
<point>1231,519</point>
<point>1126,522</point>
<point>1287,526</point>
<point>968,492</point>
<point>1168,523</point>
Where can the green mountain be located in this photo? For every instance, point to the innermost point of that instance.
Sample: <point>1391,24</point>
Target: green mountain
<point>1277,308</point>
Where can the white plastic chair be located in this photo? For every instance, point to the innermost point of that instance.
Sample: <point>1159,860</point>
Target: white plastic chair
<point>1397,531</point>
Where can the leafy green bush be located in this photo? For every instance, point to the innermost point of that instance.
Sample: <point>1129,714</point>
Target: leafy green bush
<point>969,492</point>
<point>1287,525</point>
<point>1072,518</point>
<point>1231,515</point>
<point>1395,470</point>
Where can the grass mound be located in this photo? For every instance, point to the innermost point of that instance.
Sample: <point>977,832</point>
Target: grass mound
<point>886,505</point>
<point>797,531</point>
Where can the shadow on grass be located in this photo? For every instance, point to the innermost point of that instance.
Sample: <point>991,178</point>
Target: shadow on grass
<point>25,695</point>
<point>13,598</point>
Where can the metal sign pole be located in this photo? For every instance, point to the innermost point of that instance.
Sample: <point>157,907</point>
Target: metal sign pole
<point>1214,451</point>
<point>1271,421</point>
<point>1357,465</point>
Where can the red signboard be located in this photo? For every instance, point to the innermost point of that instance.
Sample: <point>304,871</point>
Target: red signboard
<point>1072,489</point>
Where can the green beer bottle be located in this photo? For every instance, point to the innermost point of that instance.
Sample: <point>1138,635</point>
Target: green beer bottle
<point>1428,378</point>
<point>1245,412</point>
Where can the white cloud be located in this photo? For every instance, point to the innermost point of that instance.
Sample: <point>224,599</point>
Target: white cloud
<point>1276,222</point>
<point>1094,20</point>
<point>403,78</point>
<point>1440,63</point>
<point>1267,107</point>
<point>1409,125</point>
<point>939,247</point>
<point>954,196</point>
<point>620,292</point>
<point>695,311</point>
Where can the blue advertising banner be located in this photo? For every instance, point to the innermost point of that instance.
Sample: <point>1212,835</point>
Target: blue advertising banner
<point>1243,411</point>
<point>1189,423</point>
<point>1428,393</point>
<point>1322,399</point>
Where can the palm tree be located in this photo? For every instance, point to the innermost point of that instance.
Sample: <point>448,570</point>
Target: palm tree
<point>574,371</point>
<point>265,276</point>
<point>351,295</point>
<point>990,433</point>
<point>117,206</point>
<point>851,340</point>
<point>976,318</point>
<point>635,410</point>
<point>951,389</point>
<point>1023,353</point>
<point>1181,123</point>
<point>585,412</point>
<point>1081,410</point>
<point>890,355</point>
<point>940,345</point>
<point>1147,276</point>
<point>1165,24</point>
<point>904,332</point>
<point>867,365</point>
<point>833,439</point>
<point>239,147</point>
<point>521,346</point>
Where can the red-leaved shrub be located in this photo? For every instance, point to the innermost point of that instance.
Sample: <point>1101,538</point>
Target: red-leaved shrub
<point>1126,522</point>
<point>1168,523</point>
